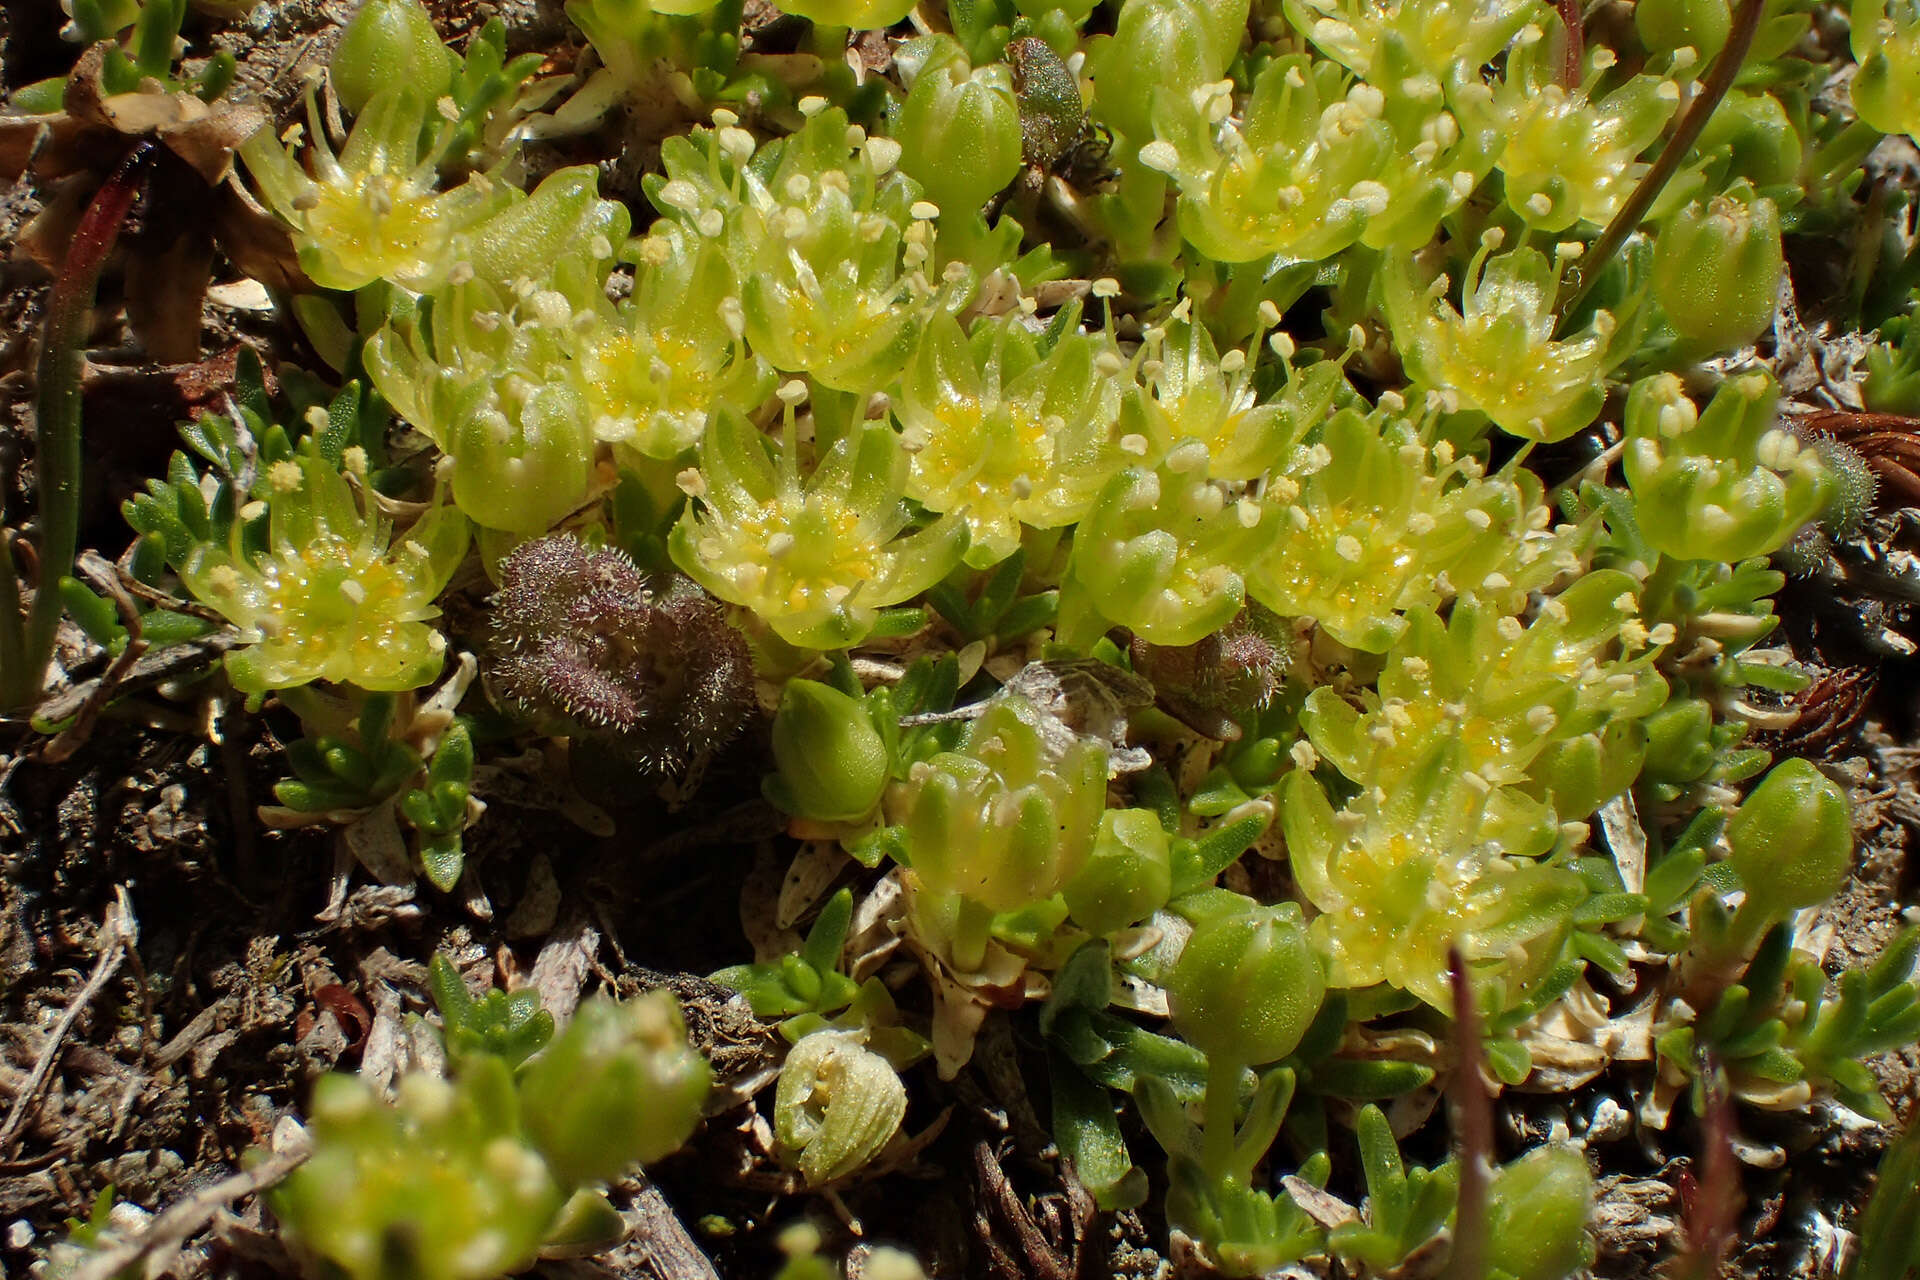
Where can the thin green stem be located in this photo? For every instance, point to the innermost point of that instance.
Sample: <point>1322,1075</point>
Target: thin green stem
<point>1842,154</point>
<point>1720,77</point>
<point>57,409</point>
<point>972,930</point>
<point>13,623</point>
<point>1219,1112</point>
<point>1473,1128</point>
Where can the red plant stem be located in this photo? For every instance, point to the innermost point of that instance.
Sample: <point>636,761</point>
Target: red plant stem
<point>1473,1124</point>
<point>1710,1212</point>
<point>1720,77</point>
<point>57,456</point>
<point>1576,44</point>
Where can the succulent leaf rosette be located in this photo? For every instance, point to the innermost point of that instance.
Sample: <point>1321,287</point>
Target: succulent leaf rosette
<point>334,595</point>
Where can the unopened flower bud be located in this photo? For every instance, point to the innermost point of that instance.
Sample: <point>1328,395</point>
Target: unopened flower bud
<point>390,42</point>
<point>1716,270</point>
<point>959,130</point>
<point>1760,138</point>
<point>1792,839</point>
<point>1537,1211</point>
<point>832,762</point>
<point>1886,44</point>
<point>1247,985</point>
<point>1667,25</point>
<point>1128,876</point>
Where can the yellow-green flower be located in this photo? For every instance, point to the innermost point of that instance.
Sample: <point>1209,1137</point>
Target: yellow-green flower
<point>815,559</point>
<point>1298,178</point>
<point>331,598</point>
<point>1372,520</point>
<point>1005,436</point>
<point>374,212</point>
<point>1570,159</point>
<point>1497,354</point>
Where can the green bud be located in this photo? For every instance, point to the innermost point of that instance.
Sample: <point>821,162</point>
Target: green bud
<point>1763,143</point>
<point>1666,25</point>
<point>1716,270</point>
<point>1247,985</point>
<point>1537,1211</point>
<point>960,127</point>
<point>1127,877</point>
<point>837,1105</point>
<point>1679,741</point>
<point>1172,46</point>
<point>619,1087</point>
<point>832,762</point>
<point>390,42</point>
<point>1886,44</point>
<point>1792,839</point>
<point>1585,772</point>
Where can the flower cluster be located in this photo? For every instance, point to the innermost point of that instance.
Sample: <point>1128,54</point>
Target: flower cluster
<point>1197,525</point>
<point>468,1178</point>
<point>1484,737</point>
<point>1376,518</point>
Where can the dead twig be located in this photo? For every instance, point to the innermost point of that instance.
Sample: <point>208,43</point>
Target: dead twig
<point>657,1246</point>
<point>100,573</point>
<point>119,932</point>
<point>187,657</point>
<point>174,1227</point>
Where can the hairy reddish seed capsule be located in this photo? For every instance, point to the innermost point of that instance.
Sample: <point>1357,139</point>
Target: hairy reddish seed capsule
<point>646,660</point>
